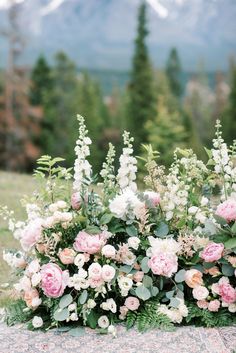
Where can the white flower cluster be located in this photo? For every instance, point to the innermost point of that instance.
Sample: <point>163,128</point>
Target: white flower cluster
<point>175,314</point>
<point>128,166</point>
<point>223,163</point>
<point>14,260</point>
<point>82,168</point>
<point>107,172</point>
<point>127,205</point>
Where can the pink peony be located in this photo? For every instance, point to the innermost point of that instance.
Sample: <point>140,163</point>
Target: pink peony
<point>90,244</point>
<point>227,293</point>
<point>200,293</point>
<point>108,273</point>
<point>212,252</point>
<point>154,197</point>
<point>76,200</point>
<point>163,264</point>
<point>67,256</point>
<point>54,280</point>
<point>31,234</point>
<point>214,305</point>
<point>227,210</point>
<point>132,303</point>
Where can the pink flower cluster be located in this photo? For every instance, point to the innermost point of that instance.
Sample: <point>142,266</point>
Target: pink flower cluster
<point>163,264</point>
<point>54,280</point>
<point>31,234</point>
<point>212,252</point>
<point>87,243</point>
<point>227,210</point>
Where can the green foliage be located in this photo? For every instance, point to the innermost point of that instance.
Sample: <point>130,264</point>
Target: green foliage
<point>201,317</point>
<point>141,94</point>
<point>173,72</point>
<point>148,318</point>
<point>15,312</point>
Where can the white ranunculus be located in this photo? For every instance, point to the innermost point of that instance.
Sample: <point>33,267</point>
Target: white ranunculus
<point>37,322</point>
<point>134,242</point>
<point>103,321</point>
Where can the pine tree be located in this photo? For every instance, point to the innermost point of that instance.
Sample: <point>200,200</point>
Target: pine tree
<point>173,72</point>
<point>230,114</point>
<point>41,81</point>
<point>142,101</point>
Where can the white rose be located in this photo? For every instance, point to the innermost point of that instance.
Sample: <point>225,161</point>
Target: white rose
<point>200,292</point>
<point>37,322</point>
<point>79,260</point>
<point>134,242</point>
<point>91,304</point>
<point>193,210</point>
<point>103,321</point>
<point>35,280</point>
<point>125,284</point>
<point>108,273</point>
<point>108,251</point>
<point>72,307</point>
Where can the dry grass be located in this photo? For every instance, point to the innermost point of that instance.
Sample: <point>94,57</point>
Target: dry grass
<point>13,187</point>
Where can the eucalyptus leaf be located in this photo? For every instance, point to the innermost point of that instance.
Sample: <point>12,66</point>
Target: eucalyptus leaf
<point>220,220</point>
<point>154,291</point>
<point>83,297</point>
<point>61,314</point>
<point>179,277</point>
<point>65,301</point>
<point>125,268</point>
<point>227,270</point>
<point>174,302</point>
<point>106,218</point>
<point>162,230</point>
<point>147,281</point>
<point>142,292</point>
<point>132,231</point>
<point>170,294</point>
<point>77,331</point>
<point>144,265</point>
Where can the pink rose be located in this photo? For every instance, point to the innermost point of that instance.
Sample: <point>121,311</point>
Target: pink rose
<point>90,244</point>
<point>95,283</point>
<point>163,264</point>
<point>227,293</point>
<point>214,305</point>
<point>227,210</point>
<point>31,297</point>
<point>123,312</point>
<point>212,252</point>
<point>31,234</point>
<point>76,200</point>
<point>138,276</point>
<point>132,303</point>
<point>108,273</point>
<point>109,251</point>
<point>95,271</point>
<point>193,278</point>
<point>202,304</point>
<point>154,197</point>
<point>54,280</point>
<point>67,256</point>
<point>200,293</point>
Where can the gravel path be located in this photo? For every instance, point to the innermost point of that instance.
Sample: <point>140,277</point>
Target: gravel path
<point>184,340</point>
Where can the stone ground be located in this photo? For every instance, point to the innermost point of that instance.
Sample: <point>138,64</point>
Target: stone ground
<point>183,340</point>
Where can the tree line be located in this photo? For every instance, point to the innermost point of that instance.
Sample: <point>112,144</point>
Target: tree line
<point>153,107</point>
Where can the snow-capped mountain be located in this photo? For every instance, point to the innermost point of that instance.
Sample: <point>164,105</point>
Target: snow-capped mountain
<point>100,33</point>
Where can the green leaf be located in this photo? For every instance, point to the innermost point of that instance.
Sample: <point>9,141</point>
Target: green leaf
<point>92,319</point>
<point>170,294</point>
<point>231,243</point>
<point>147,281</point>
<point>61,314</point>
<point>220,220</point>
<point>227,270</point>
<point>65,301</point>
<point>233,228</point>
<point>106,218</point>
<point>181,223</point>
<point>179,277</point>
<point>93,230</point>
<point>174,302</point>
<point>208,265</point>
<point>162,230</point>
<point>131,231</point>
<point>77,331</point>
<point>154,291</point>
<point>83,297</point>
<point>144,265</point>
<point>209,153</point>
<point>125,268</point>
<point>142,292</point>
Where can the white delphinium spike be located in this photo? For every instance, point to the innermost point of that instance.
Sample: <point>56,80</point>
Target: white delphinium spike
<point>82,168</point>
<point>224,165</point>
<point>128,165</point>
<point>107,172</point>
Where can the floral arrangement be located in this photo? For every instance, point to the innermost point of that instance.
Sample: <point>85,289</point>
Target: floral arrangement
<point>152,258</point>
